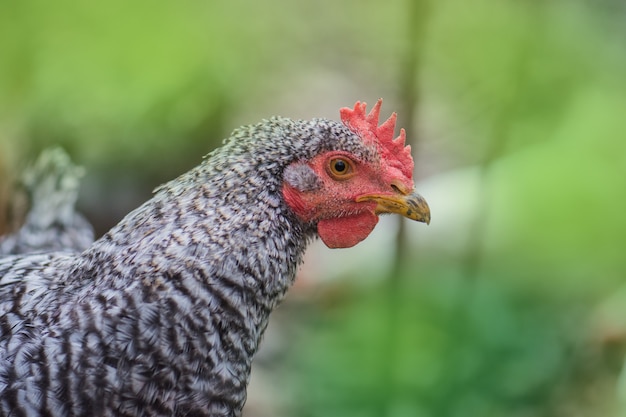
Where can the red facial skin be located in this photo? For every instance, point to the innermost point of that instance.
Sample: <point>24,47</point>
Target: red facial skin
<point>343,222</point>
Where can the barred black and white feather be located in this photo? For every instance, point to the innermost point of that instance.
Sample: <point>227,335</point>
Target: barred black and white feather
<point>163,314</point>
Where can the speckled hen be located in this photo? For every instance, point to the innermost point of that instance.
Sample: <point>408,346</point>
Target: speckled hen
<point>163,314</point>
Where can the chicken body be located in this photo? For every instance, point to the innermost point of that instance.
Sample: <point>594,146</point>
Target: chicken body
<point>163,314</point>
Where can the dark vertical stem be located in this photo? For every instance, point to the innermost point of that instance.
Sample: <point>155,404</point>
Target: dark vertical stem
<point>408,97</point>
<point>418,12</point>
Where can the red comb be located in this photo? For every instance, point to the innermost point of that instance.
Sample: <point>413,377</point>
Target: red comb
<point>366,127</point>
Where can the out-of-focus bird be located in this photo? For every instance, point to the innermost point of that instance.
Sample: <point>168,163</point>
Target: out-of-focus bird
<point>163,314</point>
<point>52,223</point>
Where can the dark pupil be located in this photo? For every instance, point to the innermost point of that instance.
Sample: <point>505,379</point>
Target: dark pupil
<point>340,166</point>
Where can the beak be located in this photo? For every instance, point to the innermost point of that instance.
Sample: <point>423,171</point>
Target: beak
<point>411,205</point>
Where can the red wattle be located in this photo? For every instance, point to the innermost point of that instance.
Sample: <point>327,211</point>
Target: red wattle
<point>345,232</point>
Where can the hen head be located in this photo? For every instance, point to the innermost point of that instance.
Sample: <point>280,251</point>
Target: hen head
<point>342,193</point>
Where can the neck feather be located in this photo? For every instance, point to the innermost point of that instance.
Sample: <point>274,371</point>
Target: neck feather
<point>221,229</point>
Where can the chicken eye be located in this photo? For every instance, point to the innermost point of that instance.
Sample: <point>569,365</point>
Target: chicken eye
<point>340,168</point>
<point>339,165</point>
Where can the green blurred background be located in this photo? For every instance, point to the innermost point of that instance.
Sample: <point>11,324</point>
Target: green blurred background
<point>511,303</point>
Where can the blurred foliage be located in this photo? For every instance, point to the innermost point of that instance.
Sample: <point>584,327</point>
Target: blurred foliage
<point>495,353</point>
<point>512,305</point>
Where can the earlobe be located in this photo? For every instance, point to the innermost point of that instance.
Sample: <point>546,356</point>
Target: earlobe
<point>302,177</point>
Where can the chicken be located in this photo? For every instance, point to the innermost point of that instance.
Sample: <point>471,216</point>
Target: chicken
<point>52,223</point>
<point>163,314</point>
